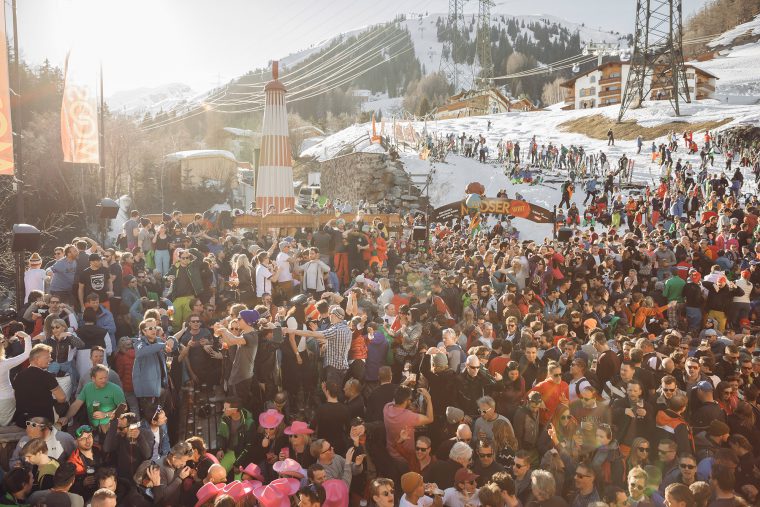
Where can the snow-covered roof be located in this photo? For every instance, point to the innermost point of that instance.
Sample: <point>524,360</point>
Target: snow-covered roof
<point>194,154</point>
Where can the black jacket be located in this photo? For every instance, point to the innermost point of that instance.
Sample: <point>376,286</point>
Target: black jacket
<point>128,454</point>
<point>377,400</point>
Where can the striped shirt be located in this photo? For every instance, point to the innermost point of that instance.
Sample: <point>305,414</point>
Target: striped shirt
<point>338,343</point>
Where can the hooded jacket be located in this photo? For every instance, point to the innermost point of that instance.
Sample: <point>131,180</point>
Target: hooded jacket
<point>671,425</point>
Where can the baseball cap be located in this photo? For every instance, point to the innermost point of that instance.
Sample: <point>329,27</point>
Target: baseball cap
<point>95,257</point>
<point>704,385</point>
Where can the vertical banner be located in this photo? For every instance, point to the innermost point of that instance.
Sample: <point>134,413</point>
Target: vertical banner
<point>6,132</point>
<point>79,114</point>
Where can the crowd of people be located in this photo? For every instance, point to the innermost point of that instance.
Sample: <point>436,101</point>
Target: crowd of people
<point>360,365</point>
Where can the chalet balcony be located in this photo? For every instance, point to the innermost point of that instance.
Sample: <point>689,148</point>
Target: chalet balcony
<point>609,80</point>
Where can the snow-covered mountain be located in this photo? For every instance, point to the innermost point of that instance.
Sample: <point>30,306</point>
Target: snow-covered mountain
<point>422,28</point>
<point>141,100</point>
<point>428,50</point>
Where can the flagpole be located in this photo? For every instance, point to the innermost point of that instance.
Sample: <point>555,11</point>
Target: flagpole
<point>102,156</point>
<point>102,138</point>
<point>16,119</point>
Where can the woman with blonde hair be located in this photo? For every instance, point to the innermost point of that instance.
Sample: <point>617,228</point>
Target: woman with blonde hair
<point>386,293</point>
<point>640,453</point>
<point>242,266</point>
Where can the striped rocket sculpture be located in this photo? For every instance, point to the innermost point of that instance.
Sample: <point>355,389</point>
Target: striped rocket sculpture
<point>274,183</point>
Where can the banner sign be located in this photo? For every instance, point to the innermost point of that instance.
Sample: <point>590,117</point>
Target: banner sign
<point>494,206</point>
<point>79,115</point>
<point>6,133</point>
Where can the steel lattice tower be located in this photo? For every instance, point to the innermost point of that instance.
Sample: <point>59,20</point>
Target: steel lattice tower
<point>657,64</point>
<point>455,25</point>
<point>484,44</point>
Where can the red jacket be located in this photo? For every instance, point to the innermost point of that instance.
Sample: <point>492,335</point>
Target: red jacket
<point>124,362</point>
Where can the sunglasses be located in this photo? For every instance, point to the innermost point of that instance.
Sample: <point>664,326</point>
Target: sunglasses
<point>327,450</point>
<point>421,449</point>
<point>518,465</point>
<point>235,329</point>
<point>643,449</point>
<point>34,424</point>
<point>667,390</point>
<point>387,493</point>
<point>687,467</point>
<point>664,451</point>
<point>57,327</point>
<point>485,454</point>
<point>150,328</point>
<point>582,476</point>
<point>195,322</point>
<point>636,486</point>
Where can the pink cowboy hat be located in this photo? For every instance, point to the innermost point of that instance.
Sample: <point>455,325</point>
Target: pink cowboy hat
<point>286,486</point>
<point>207,492</point>
<point>336,493</point>
<point>298,428</point>
<point>236,490</point>
<point>251,485</point>
<point>269,496</point>
<point>254,471</point>
<point>288,466</point>
<point>270,419</point>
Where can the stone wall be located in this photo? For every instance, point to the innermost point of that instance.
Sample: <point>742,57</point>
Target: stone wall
<point>371,177</point>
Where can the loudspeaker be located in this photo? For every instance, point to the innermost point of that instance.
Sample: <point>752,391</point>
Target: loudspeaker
<point>419,234</point>
<point>25,238</point>
<point>108,209</point>
<point>564,234</point>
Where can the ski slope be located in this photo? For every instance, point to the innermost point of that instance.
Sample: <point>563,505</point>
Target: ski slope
<point>452,176</point>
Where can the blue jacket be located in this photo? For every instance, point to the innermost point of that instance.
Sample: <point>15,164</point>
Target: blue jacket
<point>163,436</point>
<point>149,370</point>
<point>106,321</point>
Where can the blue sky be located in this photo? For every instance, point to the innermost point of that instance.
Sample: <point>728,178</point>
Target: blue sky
<point>202,42</point>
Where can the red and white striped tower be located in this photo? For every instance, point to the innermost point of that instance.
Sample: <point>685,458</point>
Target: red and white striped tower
<point>274,184</point>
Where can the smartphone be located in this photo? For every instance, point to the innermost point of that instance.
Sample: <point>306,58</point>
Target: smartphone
<point>285,452</point>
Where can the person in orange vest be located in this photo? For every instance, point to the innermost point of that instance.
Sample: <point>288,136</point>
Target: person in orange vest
<point>554,391</point>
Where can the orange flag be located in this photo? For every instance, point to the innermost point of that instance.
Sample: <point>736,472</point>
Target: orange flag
<point>79,115</point>
<point>6,133</point>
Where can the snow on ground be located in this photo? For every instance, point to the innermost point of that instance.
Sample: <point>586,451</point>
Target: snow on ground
<point>738,70</point>
<point>451,177</point>
<point>749,28</point>
<point>381,102</point>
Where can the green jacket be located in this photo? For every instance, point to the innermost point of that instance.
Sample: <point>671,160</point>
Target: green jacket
<point>674,289</point>
<point>236,443</point>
